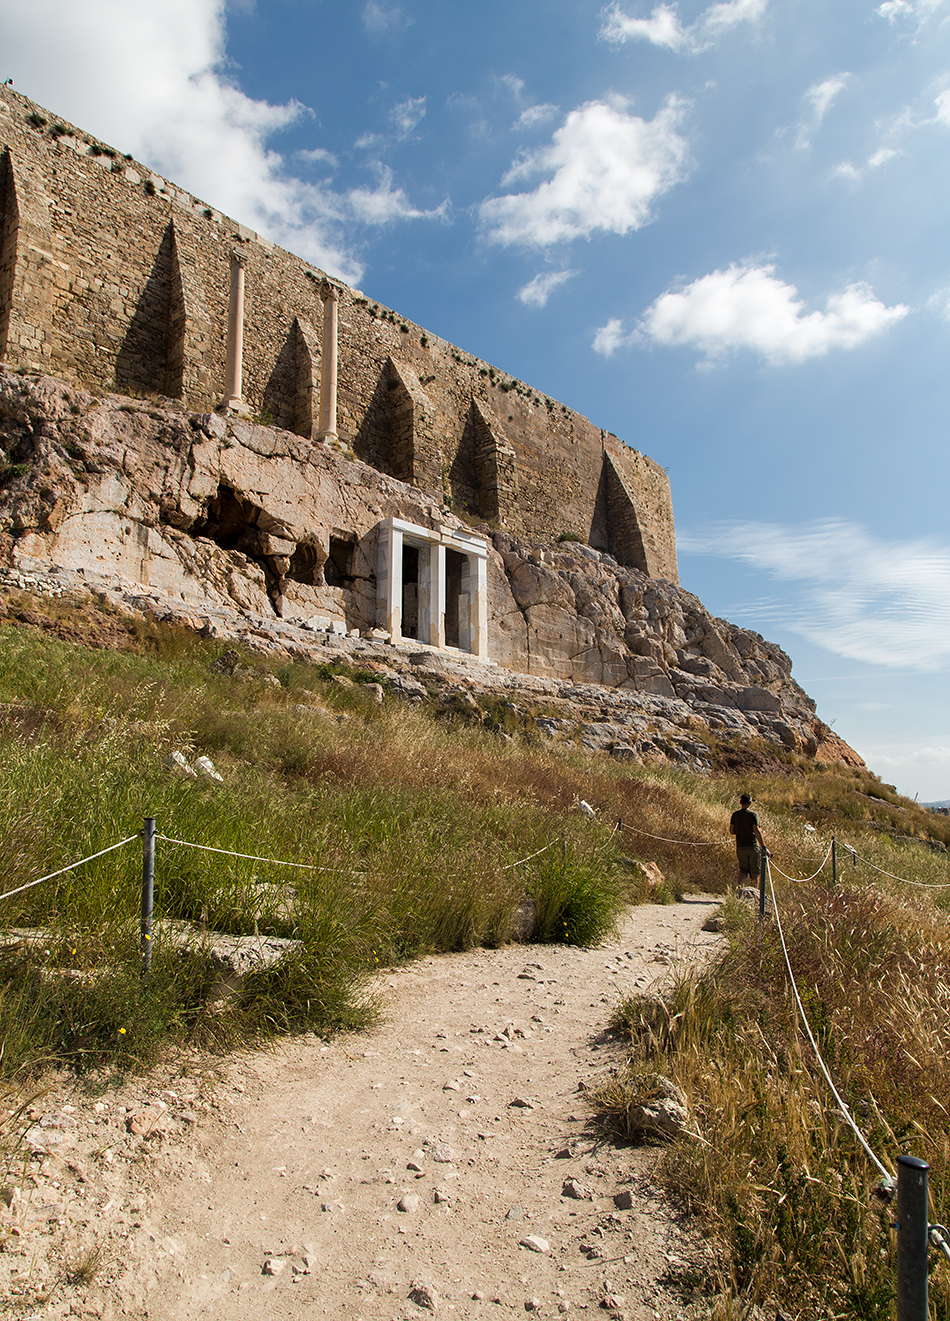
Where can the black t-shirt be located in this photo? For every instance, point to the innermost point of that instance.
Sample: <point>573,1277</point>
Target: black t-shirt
<point>743,824</point>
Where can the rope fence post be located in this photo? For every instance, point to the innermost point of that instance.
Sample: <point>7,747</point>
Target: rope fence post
<point>763,882</point>
<point>913,1236</point>
<point>148,891</point>
<point>834,862</point>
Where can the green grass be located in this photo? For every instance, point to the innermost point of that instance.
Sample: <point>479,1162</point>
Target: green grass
<point>411,826</point>
<point>415,820</point>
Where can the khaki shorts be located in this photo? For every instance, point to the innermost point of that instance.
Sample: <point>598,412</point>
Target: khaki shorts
<point>749,860</point>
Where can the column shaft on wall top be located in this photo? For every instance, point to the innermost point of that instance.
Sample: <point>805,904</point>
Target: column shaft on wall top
<point>235,364</point>
<point>328,365</point>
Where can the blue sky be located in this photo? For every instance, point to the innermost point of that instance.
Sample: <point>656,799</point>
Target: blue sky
<point>717,229</point>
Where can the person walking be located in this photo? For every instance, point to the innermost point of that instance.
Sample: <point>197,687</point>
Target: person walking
<point>744,824</point>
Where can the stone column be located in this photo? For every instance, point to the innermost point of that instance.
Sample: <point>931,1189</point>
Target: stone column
<point>389,580</point>
<point>235,367</point>
<point>436,632</point>
<point>478,608</point>
<point>328,365</point>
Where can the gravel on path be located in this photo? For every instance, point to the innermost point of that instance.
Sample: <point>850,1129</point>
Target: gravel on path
<point>445,1163</point>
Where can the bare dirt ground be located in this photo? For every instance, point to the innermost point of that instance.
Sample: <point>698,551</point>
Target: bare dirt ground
<point>425,1166</point>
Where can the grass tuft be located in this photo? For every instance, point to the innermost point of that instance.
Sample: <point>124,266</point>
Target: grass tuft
<point>785,1190</point>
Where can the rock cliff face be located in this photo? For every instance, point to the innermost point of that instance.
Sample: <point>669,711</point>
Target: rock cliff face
<point>240,528</point>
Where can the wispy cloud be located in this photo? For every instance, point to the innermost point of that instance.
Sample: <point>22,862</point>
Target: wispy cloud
<point>317,156</point>
<point>860,596</point>
<point>404,117</point>
<point>663,27</point>
<point>607,167</point>
<point>533,115</point>
<point>848,170</point>
<point>384,203</point>
<point>818,101</point>
<point>407,115</point>
<point>914,10</point>
<point>537,291</point>
<point>183,116</point>
<point>379,18</point>
<point>748,307</point>
<point>939,302</point>
<point>611,337</point>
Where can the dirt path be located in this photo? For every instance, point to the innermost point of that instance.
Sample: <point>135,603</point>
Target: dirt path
<point>270,1188</point>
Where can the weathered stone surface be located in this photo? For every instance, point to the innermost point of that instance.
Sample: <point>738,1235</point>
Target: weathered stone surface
<point>424,1294</point>
<point>188,528</point>
<point>664,1116</point>
<point>233,957</point>
<point>138,295</point>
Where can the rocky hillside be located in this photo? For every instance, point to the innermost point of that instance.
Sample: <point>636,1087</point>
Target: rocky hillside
<point>229,527</point>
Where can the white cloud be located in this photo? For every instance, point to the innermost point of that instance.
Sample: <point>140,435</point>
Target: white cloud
<point>379,18</point>
<point>847,170</point>
<point>149,79</point>
<point>407,114</point>
<point>883,602</point>
<point>818,101</point>
<point>918,10</point>
<point>404,117</point>
<point>607,167</point>
<point>536,114</point>
<point>611,337</point>
<point>537,291</point>
<point>531,115</point>
<point>823,94</point>
<point>663,27</point>
<point>747,307</point>
<point>942,102</point>
<point>383,204</point>
<point>318,156</point>
<point>939,302</point>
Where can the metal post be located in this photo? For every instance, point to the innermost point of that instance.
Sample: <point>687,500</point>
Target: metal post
<point>834,861</point>
<point>148,889</point>
<point>913,1230</point>
<point>763,881</point>
<point>564,851</point>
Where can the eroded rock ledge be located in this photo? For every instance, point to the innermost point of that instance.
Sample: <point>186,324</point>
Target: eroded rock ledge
<point>250,533</point>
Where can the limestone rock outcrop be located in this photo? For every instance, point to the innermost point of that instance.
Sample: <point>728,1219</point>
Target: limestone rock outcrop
<point>236,526</point>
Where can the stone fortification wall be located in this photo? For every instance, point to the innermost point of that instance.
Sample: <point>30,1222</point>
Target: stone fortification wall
<point>115,279</point>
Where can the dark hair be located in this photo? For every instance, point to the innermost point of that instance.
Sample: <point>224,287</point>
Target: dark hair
<point>745,798</point>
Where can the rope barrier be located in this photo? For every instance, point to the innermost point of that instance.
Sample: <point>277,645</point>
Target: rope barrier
<point>509,865</point>
<point>805,879</point>
<point>252,857</point>
<point>940,1237</point>
<point>307,866</point>
<point>845,1112</point>
<point>921,885</point>
<point>72,866</point>
<point>691,843</point>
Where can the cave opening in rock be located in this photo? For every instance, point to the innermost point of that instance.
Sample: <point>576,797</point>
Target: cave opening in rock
<point>306,564</point>
<point>228,520</point>
<point>338,569</point>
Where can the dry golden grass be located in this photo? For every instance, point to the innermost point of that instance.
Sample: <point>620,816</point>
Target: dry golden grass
<point>778,1176</point>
